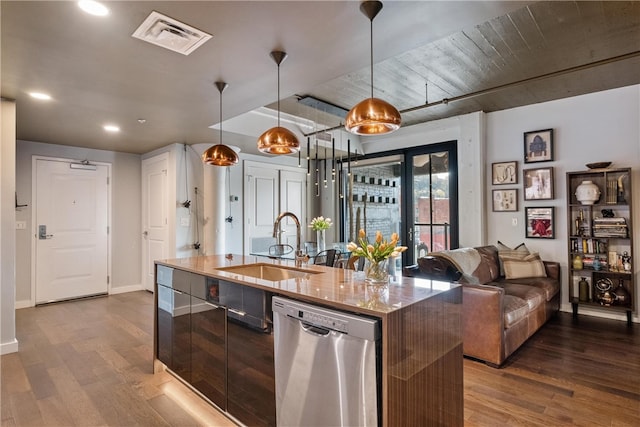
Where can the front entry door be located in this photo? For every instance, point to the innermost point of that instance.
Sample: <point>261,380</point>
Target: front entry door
<point>71,218</point>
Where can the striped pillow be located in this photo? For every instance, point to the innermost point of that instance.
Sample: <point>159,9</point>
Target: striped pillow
<point>519,251</point>
<point>529,266</point>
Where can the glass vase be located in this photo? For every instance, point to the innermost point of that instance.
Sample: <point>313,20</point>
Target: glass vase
<point>321,241</point>
<point>376,272</point>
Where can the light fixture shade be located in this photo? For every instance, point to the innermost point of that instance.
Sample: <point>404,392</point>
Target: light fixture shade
<point>220,155</point>
<point>373,116</point>
<point>278,140</point>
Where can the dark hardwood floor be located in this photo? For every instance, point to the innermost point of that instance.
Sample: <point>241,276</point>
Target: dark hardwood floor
<point>88,363</point>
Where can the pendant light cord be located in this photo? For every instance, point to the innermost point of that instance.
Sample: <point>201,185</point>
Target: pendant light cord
<point>278,95</point>
<point>371,52</point>
<point>220,142</point>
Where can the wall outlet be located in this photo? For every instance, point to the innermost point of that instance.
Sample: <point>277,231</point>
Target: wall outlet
<point>514,222</point>
<point>184,221</point>
<point>21,225</point>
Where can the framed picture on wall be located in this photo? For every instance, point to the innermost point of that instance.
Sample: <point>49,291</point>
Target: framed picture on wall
<point>540,223</point>
<point>538,146</point>
<point>504,173</point>
<point>505,200</point>
<point>538,184</point>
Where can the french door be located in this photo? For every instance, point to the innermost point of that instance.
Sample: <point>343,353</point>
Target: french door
<point>413,192</point>
<point>431,199</point>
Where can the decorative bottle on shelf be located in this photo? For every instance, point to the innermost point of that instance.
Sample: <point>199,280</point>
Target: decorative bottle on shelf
<point>587,193</point>
<point>583,288</point>
<point>577,263</point>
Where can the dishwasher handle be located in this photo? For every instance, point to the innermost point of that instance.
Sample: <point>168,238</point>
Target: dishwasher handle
<point>314,330</point>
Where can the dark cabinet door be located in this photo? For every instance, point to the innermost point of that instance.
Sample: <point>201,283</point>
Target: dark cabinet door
<point>208,350</point>
<point>251,378</point>
<point>174,331</point>
<point>164,340</point>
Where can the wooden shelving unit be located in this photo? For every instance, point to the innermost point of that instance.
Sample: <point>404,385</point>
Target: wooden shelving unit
<point>601,236</point>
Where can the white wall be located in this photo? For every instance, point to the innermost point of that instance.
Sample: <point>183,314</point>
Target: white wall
<point>125,197</point>
<point>8,342</point>
<point>603,126</point>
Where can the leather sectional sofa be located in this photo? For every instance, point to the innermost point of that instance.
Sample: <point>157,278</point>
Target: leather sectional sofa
<point>499,313</point>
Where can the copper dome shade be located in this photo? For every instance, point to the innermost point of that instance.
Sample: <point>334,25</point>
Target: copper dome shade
<point>219,154</point>
<point>278,140</point>
<point>372,116</point>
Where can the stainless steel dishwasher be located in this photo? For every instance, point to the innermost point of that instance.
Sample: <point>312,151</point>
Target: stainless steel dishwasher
<point>326,366</point>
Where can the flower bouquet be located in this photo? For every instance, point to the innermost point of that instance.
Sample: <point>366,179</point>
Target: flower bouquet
<point>376,254</point>
<point>320,224</point>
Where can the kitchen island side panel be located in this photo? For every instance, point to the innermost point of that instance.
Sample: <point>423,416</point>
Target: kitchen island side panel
<point>423,375</point>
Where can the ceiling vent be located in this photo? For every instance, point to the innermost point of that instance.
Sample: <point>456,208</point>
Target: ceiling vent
<point>170,34</point>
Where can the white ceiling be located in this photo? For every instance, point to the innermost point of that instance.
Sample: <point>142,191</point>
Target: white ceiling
<point>97,73</point>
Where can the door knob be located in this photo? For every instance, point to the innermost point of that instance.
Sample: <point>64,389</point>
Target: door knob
<point>145,233</point>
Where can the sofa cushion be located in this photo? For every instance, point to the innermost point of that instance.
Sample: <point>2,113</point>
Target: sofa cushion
<point>529,266</point>
<point>549,285</point>
<point>503,250</point>
<point>530,294</point>
<point>515,309</point>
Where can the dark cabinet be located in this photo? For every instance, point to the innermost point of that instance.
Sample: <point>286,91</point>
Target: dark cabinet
<point>174,330</point>
<point>208,350</point>
<point>251,374</point>
<point>216,335</point>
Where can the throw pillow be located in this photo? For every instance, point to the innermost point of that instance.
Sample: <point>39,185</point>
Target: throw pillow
<point>528,266</point>
<point>519,251</point>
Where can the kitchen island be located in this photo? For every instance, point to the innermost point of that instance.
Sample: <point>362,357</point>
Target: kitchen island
<point>420,381</point>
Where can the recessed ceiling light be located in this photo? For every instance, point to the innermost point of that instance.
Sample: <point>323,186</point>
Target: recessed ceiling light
<point>111,128</point>
<point>93,7</point>
<point>41,96</point>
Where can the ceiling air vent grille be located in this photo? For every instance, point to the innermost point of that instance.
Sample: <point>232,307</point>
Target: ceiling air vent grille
<point>166,32</point>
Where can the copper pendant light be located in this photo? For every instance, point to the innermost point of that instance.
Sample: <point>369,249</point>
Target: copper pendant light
<point>278,140</point>
<point>219,154</point>
<point>373,116</point>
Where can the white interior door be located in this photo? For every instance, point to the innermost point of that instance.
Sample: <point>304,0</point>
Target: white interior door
<point>155,228</point>
<point>71,220</point>
<point>261,198</point>
<point>293,196</point>
<point>269,191</point>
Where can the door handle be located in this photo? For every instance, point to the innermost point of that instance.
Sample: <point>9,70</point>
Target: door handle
<point>145,233</point>
<point>42,233</point>
<point>410,234</point>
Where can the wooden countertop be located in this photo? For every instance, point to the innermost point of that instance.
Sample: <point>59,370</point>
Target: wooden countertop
<point>333,287</point>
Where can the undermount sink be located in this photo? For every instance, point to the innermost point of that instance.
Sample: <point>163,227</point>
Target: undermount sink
<point>268,271</point>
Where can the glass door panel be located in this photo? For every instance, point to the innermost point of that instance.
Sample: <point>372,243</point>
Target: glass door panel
<point>432,188</point>
<point>373,198</point>
<point>413,193</point>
